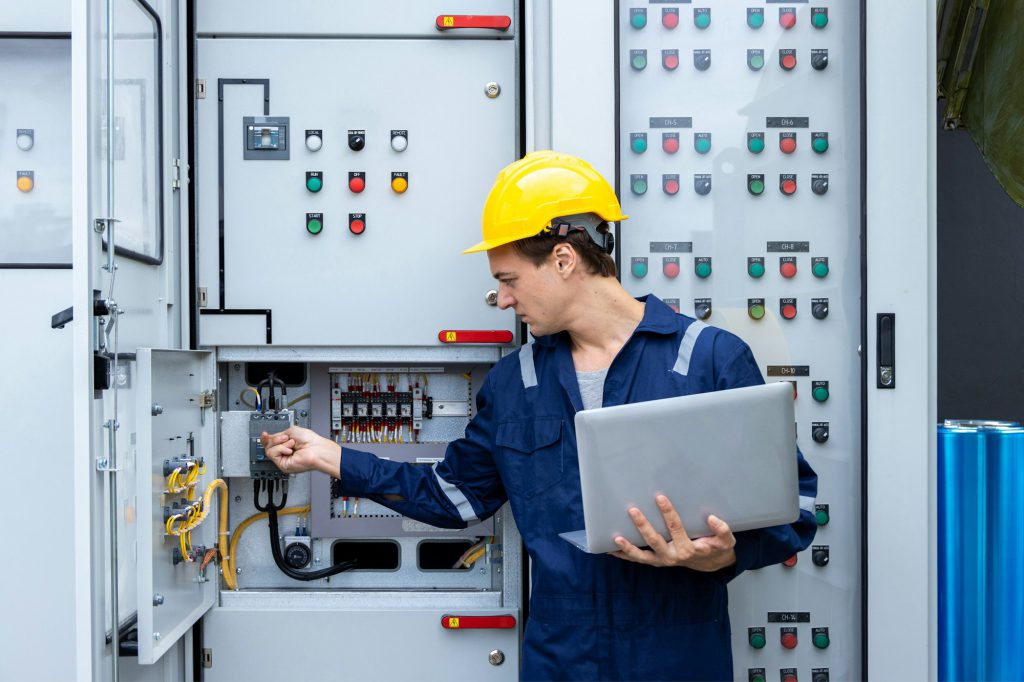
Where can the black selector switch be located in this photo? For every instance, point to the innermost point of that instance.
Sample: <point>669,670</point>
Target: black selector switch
<point>819,60</point>
<point>819,432</point>
<point>819,308</point>
<point>702,308</point>
<point>356,140</point>
<point>819,183</point>
<point>819,555</point>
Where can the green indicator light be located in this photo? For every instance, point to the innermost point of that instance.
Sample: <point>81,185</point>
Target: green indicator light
<point>821,516</point>
<point>820,145</point>
<point>820,394</point>
<point>756,311</point>
<point>757,640</point>
<point>314,226</point>
<point>820,269</point>
<point>755,19</point>
<point>702,145</point>
<point>638,20</point>
<point>821,640</point>
<point>703,270</point>
<point>756,187</point>
<point>314,184</point>
<point>756,269</point>
<point>639,62</point>
<point>820,20</point>
<point>639,269</point>
<point>702,20</point>
<point>639,144</point>
<point>757,62</point>
<point>755,144</point>
<point>639,186</point>
<point>757,678</point>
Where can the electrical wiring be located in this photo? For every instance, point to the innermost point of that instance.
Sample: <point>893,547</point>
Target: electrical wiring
<point>236,535</point>
<point>304,396</point>
<point>259,399</point>
<point>473,554</point>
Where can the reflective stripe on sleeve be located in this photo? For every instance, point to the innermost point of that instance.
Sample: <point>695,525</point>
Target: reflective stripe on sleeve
<point>456,497</point>
<point>526,368</point>
<point>807,503</point>
<point>682,365</point>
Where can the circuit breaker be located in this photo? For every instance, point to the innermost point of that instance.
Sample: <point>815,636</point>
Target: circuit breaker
<point>738,155</point>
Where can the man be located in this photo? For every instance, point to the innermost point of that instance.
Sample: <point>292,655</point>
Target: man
<point>656,613</point>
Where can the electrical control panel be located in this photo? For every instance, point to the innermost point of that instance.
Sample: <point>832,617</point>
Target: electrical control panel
<point>351,190</point>
<point>738,153</point>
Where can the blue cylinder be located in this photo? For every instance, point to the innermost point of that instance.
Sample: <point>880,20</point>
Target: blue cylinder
<point>981,550</point>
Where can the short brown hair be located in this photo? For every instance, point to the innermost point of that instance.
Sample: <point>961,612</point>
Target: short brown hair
<point>538,249</point>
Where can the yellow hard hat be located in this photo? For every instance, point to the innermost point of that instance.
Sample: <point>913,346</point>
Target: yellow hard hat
<point>538,188</point>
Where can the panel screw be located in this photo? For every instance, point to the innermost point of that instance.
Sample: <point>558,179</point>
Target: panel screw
<point>157,409</point>
<point>156,636</point>
<point>496,657</point>
<point>492,90</point>
<point>158,599</point>
<point>491,297</point>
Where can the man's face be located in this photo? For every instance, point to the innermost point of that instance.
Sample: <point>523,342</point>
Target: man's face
<point>533,292</point>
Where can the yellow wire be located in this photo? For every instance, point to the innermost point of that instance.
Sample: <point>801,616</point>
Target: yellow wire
<point>229,560</point>
<point>474,557</point>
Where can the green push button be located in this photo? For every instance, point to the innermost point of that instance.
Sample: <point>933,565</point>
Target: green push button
<point>638,20</point>
<point>639,62</point>
<point>755,144</point>
<point>639,145</point>
<point>820,394</point>
<point>639,269</point>
<point>756,187</point>
<point>757,640</point>
<point>820,145</point>
<point>819,20</point>
<point>820,269</point>
<point>757,677</point>
<point>314,226</point>
<point>821,516</point>
<point>756,269</point>
<point>755,19</point>
<point>702,20</point>
<point>314,183</point>
<point>703,270</point>
<point>639,186</point>
<point>757,62</point>
<point>821,640</point>
<point>702,145</point>
<point>756,311</point>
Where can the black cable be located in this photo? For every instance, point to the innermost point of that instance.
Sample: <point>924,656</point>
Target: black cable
<point>271,508</point>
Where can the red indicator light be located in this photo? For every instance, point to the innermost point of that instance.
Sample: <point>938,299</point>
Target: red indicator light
<point>446,22</point>
<point>789,62</point>
<point>357,226</point>
<point>788,187</point>
<point>671,270</point>
<point>788,269</point>
<point>791,561</point>
<point>356,184</point>
<point>789,311</point>
<point>449,622</point>
<point>670,145</point>
<point>789,640</point>
<point>671,187</point>
<point>669,19</point>
<point>787,145</point>
<point>670,62</point>
<point>787,20</point>
<point>474,336</point>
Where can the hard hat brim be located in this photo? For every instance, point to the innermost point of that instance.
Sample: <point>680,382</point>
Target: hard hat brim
<point>488,245</point>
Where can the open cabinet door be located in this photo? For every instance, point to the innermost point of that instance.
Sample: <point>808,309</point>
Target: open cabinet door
<point>126,249</point>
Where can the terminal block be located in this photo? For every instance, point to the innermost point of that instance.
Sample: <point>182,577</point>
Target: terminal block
<point>260,466</point>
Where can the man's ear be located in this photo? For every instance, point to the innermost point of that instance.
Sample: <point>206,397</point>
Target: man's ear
<point>565,258</point>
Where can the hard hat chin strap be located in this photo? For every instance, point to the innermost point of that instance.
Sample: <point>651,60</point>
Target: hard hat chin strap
<point>598,230</point>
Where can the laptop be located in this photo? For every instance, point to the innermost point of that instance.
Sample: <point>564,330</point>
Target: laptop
<point>730,453</point>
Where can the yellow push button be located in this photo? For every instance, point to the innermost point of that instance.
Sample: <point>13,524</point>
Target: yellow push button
<point>25,183</point>
<point>399,183</point>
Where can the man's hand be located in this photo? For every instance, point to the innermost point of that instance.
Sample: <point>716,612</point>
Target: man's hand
<point>703,554</point>
<point>296,449</point>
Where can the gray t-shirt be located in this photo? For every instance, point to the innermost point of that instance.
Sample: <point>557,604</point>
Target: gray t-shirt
<point>592,388</point>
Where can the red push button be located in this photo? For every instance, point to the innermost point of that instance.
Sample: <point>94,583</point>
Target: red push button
<point>789,311</point>
<point>670,60</point>
<point>789,640</point>
<point>670,17</point>
<point>670,268</point>
<point>791,561</point>
<point>788,269</point>
<point>787,144</point>
<point>788,186</point>
<point>787,18</point>
<point>670,144</point>
<point>356,182</point>
<point>671,186</point>
<point>788,61</point>
<point>449,622</point>
<point>357,223</point>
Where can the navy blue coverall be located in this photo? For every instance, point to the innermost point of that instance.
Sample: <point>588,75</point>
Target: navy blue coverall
<point>591,616</point>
